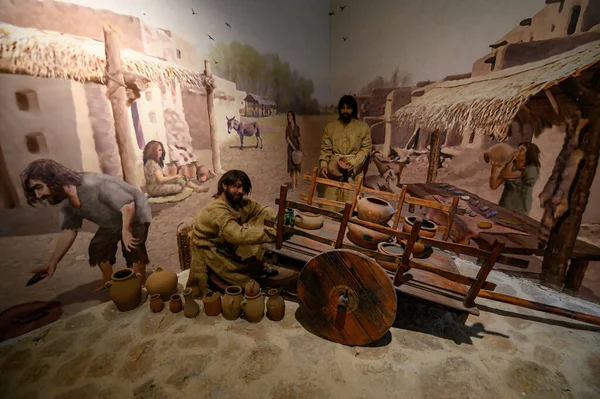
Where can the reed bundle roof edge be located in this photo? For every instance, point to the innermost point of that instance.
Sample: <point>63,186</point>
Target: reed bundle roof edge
<point>488,104</point>
<point>49,54</point>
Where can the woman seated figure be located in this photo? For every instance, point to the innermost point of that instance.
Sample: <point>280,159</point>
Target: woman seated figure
<point>157,184</point>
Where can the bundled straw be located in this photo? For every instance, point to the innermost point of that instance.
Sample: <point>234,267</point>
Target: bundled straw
<point>48,54</point>
<point>488,104</point>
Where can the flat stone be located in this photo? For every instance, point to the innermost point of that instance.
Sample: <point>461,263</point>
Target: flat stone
<point>16,362</point>
<point>545,355</point>
<point>59,346</point>
<point>97,334</point>
<point>198,341</point>
<point>72,370</point>
<point>593,372</point>
<point>33,374</point>
<point>261,360</point>
<point>399,357</point>
<point>139,360</point>
<point>416,341</point>
<point>230,352</point>
<point>309,346</point>
<point>149,390</point>
<point>102,365</point>
<point>190,367</point>
<point>256,331</point>
<point>384,374</point>
<point>119,342</point>
<point>181,329</point>
<point>81,321</point>
<point>454,377</point>
<point>499,344</point>
<point>86,391</point>
<point>517,323</point>
<point>368,353</point>
<point>528,378</point>
<point>304,390</point>
<point>113,392</point>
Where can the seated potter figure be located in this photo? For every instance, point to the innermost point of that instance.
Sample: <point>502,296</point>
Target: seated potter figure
<point>227,237</point>
<point>157,184</point>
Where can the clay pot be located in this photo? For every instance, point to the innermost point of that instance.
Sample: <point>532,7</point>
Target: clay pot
<point>162,282</point>
<point>275,305</point>
<point>125,289</point>
<point>428,228</point>
<point>333,168</point>
<point>191,170</point>
<point>191,309</point>
<point>231,302</point>
<point>212,303</point>
<point>375,210</point>
<point>171,169</point>
<point>254,307</point>
<point>500,153</point>
<point>252,288</point>
<point>364,237</point>
<point>175,304</point>
<point>390,248</point>
<point>156,303</point>
<point>308,220</point>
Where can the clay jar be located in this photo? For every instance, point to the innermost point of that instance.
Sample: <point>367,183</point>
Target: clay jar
<point>428,228</point>
<point>192,170</point>
<point>125,289</point>
<point>333,168</point>
<point>175,304</point>
<point>500,153</point>
<point>254,307</point>
<point>275,305</point>
<point>375,210</point>
<point>364,237</point>
<point>162,282</point>
<point>252,288</point>
<point>156,303</point>
<point>231,302</point>
<point>171,169</point>
<point>308,220</point>
<point>212,303</point>
<point>191,309</point>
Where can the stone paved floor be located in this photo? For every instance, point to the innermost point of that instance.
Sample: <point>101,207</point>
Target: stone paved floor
<point>103,353</point>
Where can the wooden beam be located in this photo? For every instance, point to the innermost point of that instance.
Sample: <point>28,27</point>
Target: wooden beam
<point>359,182</point>
<point>414,236</point>
<point>482,275</point>
<point>552,101</point>
<point>344,223</point>
<point>280,216</point>
<point>117,95</point>
<point>212,118</point>
<point>575,275</point>
<point>451,214</point>
<point>434,156</point>
<point>399,208</point>
<point>313,185</point>
<point>323,201</point>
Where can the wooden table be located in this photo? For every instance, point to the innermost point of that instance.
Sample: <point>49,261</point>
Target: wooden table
<point>531,244</point>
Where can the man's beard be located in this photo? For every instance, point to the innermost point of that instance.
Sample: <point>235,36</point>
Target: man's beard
<point>53,199</point>
<point>233,199</point>
<point>345,118</point>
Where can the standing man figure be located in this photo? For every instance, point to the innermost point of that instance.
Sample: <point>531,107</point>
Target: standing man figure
<point>121,211</point>
<point>347,137</point>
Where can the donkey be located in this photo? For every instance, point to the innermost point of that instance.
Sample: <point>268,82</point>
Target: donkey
<point>246,129</point>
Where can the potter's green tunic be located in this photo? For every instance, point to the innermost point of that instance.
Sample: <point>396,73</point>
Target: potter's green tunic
<point>228,240</point>
<point>518,193</point>
<point>352,140</point>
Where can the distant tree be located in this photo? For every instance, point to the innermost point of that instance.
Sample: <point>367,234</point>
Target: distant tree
<point>397,79</point>
<point>265,75</point>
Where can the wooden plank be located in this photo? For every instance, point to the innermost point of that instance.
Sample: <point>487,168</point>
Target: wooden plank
<point>313,185</point>
<point>451,214</point>
<point>356,192</point>
<point>456,277</point>
<point>575,274</point>
<point>323,201</point>
<point>434,297</point>
<point>280,216</point>
<point>311,209</point>
<point>552,101</point>
<point>427,203</point>
<point>329,182</point>
<point>340,238</point>
<point>399,208</point>
<point>434,156</point>
<point>482,275</point>
<point>414,235</point>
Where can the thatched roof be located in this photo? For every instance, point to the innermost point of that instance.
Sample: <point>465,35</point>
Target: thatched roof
<point>254,98</point>
<point>488,104</point>
<point>49,54</point>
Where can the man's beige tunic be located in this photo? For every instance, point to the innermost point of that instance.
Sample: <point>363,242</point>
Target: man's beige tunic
<point>228,241</point>
<point>353,141</point>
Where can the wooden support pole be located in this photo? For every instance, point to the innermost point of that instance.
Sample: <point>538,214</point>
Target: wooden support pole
<point>399,208</point>
<point>387,141</point>
<point>356,192</point>
<point>451,214</point>
<point>280,216</point>
<point>344,223</point>
<point>575,275</point>
<point>117,95</point>
<point>482,275</point>
<point>313,185</point>
<point>552,101</point>
<point>434,156</point>
<point>414,236</point>
<point>212,119</point>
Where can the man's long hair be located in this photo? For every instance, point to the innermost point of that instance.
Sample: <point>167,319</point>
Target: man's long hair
<point>51,173</point>
<point>350,101</point>
<point>150,153</point>
<point>231,177</point>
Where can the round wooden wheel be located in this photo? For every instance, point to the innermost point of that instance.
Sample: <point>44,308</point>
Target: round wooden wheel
<point>349,298</point>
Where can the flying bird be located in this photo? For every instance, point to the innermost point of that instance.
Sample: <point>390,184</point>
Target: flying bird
<point>216,62</point>
<point>210,37</point>
<point>342,8</point>
<point>144,13</point>
<point>345,38</point>
<point>194,12</point>
<point>227,23</point>
<point>331,14</point>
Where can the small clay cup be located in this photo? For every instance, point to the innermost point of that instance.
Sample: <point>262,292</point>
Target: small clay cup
<point>212,303</point>
<point>175,305</point>
<point>156,303</point>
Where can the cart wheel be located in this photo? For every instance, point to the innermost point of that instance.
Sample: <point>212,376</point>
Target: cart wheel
<point>349,297</point>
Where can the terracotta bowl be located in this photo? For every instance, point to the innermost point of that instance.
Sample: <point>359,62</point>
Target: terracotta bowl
<point>428,228</point>
<point>366,238</point>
